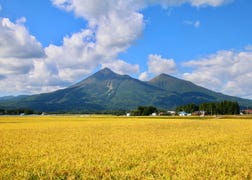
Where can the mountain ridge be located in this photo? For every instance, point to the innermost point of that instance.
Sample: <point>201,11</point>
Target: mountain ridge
<point>106,90</point>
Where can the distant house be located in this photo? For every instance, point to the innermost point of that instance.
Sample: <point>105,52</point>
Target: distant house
<point>171,112</point>
<point>247,111</point>
<point>199,113</point>
<point>154,114</point>
<point>182,113</point>
<point>167,113</point>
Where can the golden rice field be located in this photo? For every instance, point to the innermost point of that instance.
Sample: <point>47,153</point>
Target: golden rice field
<point>75,147</point>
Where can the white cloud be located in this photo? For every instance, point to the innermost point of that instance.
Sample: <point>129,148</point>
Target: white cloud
<point>22,84</point>
<point>248,48</point>
<point>158,65</point>
<point>213,3</point>
<point>115,25</point>
<point>18,49</point>
<point>196,3</point>
<point>16,42</point>
<point>196,24</point>
<point>226,71</point>
<point>75,58</point>
<point>144,76</point>
<point>12,66</point>
<point>118,31</point>
<point>21,21</point>
<point>20,56</point>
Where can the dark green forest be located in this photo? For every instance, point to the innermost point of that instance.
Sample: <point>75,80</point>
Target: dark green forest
<point>218,108</point>
<point>16,111</point>
<point>144,111</point>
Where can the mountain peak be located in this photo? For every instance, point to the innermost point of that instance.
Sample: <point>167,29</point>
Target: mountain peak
<point>165,77</point>
<point>104,74</point>
<point>106,70</point>
<point>107,73</point>
<point>174,84</point>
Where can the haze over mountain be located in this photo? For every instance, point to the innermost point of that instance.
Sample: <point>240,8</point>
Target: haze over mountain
<point>107,91</point>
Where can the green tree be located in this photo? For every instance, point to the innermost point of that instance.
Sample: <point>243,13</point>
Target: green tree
<point>144,111</point>
<point>223,108</point>
<point>189,108</point>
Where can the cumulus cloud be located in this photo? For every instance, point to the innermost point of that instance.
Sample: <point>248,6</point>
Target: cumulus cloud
<point>18,49</point>
<point>12,66</point>
<point>158,65</point>
<point>77,56</point>
<point>116,24</point>
<point>16,42</point>
<point>23,84</point>
<point>113,26</point>
<point>226,71</point>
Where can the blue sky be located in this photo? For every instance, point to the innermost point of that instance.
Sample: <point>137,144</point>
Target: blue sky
<point>51,44</point>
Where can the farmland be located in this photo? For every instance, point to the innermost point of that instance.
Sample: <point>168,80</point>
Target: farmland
<point>104,147</point>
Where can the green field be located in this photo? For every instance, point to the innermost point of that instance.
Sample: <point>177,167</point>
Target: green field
<point>103,147</point>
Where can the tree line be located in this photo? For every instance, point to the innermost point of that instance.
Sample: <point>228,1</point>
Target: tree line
<point>222,108</point>
<point>16,111</point>
<point>144,111</point>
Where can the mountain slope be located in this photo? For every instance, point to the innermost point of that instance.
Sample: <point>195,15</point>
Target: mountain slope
<point>170,83</point>
<point>115,91</point>
<point>106,90</point>
<point>192,93</point>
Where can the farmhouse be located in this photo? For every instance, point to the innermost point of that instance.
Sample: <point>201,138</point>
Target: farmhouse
<point>199,113</point>
<point>171,112</point>
<point>247,111</point>
<point>182,113</point>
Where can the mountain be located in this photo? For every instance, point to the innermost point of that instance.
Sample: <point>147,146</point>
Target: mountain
<point>106,90</point>
<point>7,97</point>
<point>192,93</point>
